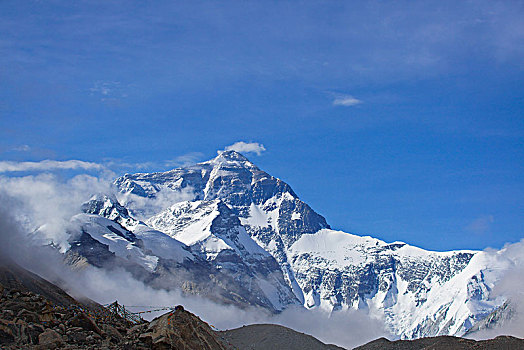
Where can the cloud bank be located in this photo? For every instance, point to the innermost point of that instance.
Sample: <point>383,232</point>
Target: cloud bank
<point>246,147</point>
<point>48,165</point>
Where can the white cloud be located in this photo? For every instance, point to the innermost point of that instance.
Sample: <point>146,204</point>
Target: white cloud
<point>247,147</point>
<point>44,165</point>
<point>345,100</point>
<point>47,202</point>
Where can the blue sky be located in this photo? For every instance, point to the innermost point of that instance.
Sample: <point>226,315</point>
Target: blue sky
<point>402,120</point>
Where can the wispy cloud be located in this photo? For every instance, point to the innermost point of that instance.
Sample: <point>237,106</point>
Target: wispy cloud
<point>121,165</point>
<point>46,165</point>
<point>185,159</point>
<point>108,91</point>
<point>179,161</point>
<point>246,147</point>
<point>481,225</point>
<point>345,100</point>
<point>22,148</point>
<point>105,88</point>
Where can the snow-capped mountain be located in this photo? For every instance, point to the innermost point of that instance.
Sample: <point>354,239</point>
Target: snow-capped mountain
<point>268,209</point>
<point>227,230</point>
<point>222,263</point>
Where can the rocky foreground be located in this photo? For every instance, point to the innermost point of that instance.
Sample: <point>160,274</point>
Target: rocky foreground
<point>31,321</point>
<point>35,314</point>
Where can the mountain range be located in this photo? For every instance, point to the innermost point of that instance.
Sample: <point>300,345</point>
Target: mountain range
<point>228,231</point>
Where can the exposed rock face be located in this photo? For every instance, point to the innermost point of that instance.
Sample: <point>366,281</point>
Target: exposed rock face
<point>180,329</point>
<point>408,286</point>
<point>109,207</point>
<point>50,339</point>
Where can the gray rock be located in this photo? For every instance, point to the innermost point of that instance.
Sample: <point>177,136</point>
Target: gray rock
<point>50,339</point>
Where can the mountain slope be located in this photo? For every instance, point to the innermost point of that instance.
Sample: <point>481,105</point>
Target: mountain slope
<point>417,292</point>
<point>270,336</point>
<point>13,276</point>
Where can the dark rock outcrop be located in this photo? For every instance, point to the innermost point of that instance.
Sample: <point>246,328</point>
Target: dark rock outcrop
<point>178,329</point>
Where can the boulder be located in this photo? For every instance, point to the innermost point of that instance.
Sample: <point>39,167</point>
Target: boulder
<point>50,339</point>
<point>87,323</point>
<point>112,333</point>
<point>180,330</point>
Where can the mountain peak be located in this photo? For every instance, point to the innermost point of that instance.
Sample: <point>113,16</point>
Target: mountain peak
<point>230,156</point>
<point>231,159</point>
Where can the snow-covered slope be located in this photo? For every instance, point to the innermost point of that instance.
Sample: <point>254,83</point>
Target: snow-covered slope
<point>213,230</point>
<point>268,209</point>
<point>417,292</point>
<point>266,247</point>
<point>203,239</point>
<point>199,224</point>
